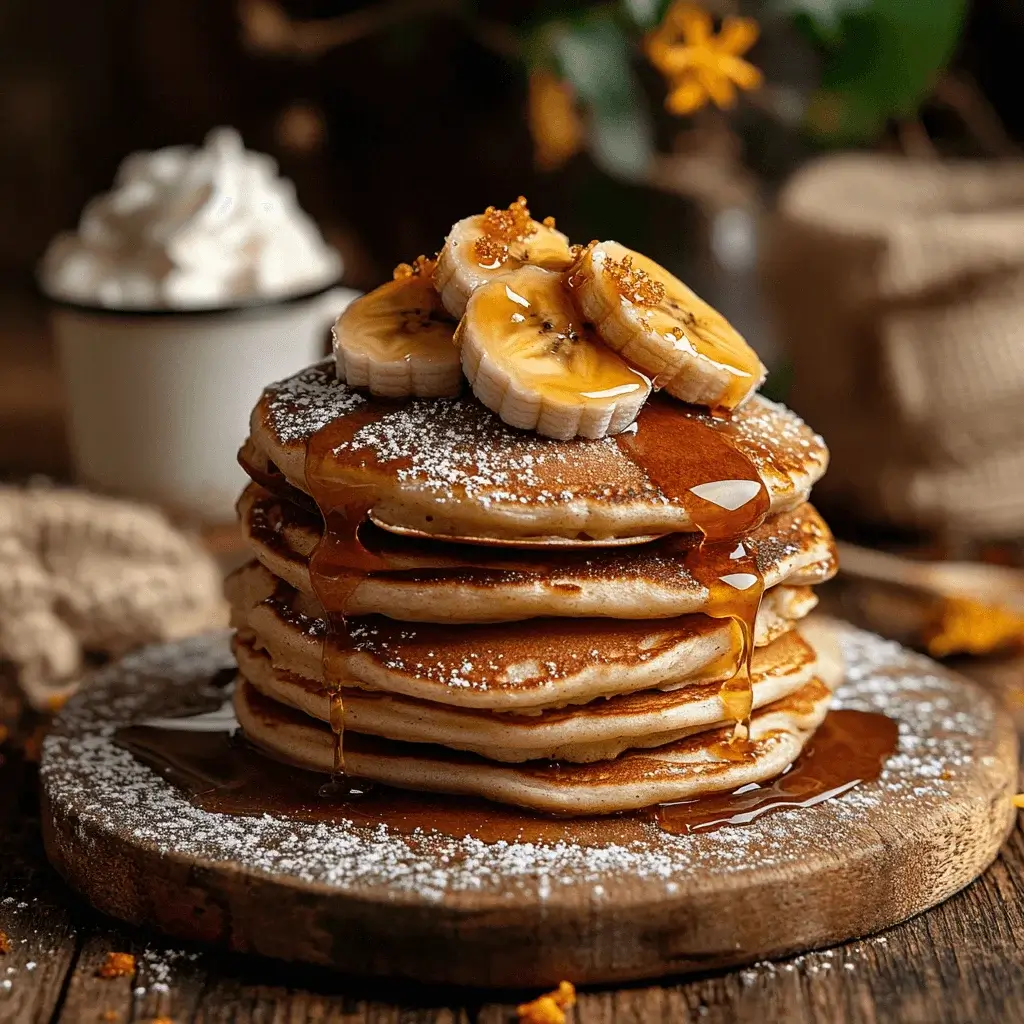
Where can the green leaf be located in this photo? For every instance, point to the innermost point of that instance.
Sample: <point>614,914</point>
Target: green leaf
<point>645,14</point>
<point>820,19</point>
<point>593,55</point>
<point>880,63</point>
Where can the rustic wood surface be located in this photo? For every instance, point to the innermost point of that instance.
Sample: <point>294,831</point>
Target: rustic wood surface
<point>960,962</point>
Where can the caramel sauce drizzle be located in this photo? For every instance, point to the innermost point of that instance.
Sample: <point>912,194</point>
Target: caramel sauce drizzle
<point>697,466</point>
<point>340,561</point>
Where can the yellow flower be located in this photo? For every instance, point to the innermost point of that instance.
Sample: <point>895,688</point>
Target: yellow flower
<point>699,65</point>
<point>962,625</point>
<point>555,122</point>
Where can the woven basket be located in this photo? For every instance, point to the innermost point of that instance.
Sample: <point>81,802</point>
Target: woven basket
<point>899,288</point>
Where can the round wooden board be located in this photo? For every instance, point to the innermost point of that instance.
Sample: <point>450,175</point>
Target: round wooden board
<point>445,908</point>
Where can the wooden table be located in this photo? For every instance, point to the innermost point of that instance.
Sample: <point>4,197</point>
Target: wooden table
<point>962,962</point>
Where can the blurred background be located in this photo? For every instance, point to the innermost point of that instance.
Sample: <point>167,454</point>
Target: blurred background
<point>842,178</point>
<point>395,118</point>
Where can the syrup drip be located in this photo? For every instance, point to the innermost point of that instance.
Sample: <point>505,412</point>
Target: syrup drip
<point>336,717</point>
<point>340,561</point>
<point>220,771</point>
<point>723,493</point>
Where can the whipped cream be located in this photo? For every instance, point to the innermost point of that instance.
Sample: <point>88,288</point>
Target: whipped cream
<point>187,228</point>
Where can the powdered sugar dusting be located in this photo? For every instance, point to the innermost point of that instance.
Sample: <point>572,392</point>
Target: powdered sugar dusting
<point>943,725</point>
<point>443,448</point>
<point>300,405</point>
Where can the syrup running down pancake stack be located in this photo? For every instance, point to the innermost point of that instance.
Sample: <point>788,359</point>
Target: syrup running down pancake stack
<point>531,535</point>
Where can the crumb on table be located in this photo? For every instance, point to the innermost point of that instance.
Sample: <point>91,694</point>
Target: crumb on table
<point>549,1008</point>
<point>117,965</point>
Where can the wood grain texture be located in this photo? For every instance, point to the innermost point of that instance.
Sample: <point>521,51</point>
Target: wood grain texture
<point>895,858</point>
<point>33,913</point>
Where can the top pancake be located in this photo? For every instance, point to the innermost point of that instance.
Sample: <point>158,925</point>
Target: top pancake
<point>451,468</point>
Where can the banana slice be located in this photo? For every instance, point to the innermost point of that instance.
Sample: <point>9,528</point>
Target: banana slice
<point>533,361</point>
<point>397,340</point>
<point>487,245</point>
<point>661,327</point>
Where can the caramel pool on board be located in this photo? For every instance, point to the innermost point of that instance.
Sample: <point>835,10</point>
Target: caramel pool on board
<point>220,771</point>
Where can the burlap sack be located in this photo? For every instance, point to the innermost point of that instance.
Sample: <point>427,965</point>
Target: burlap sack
<point>899,289</point>
<point>83,575</point>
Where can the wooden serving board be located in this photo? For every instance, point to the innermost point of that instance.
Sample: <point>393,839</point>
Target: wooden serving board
<point>591,907</point>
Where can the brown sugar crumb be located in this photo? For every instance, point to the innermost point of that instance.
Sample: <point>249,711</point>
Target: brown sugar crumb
<point>636,285</point>
<point>489,252</point>
<point>511,225</point>
<point>117,965</point>
<point>422,266</point>
<point>549,1008</point>
<point>577,251</point>
<point>503,228</point>
<point>5,943</point>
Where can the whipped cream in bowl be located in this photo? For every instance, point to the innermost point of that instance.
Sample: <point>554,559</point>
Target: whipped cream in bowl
<point>191,229</point>
<point>191,283</point>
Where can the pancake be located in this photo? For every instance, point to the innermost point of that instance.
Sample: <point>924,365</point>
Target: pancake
<point>450,467</point>
<point>503,666</point>
<point>602,729</point>
<point>645,582</point>
<point>682,770</point>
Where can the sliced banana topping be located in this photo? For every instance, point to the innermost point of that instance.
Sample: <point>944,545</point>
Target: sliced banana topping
<point>661,327</point>
<point>480,248</point>
<point>397,340</point>
<point>532,359</point>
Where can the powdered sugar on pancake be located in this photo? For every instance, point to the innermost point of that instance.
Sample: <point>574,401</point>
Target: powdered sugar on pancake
<point>300,405</point>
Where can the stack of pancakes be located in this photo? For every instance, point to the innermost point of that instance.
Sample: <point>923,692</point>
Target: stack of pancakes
<point>515,617</point>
